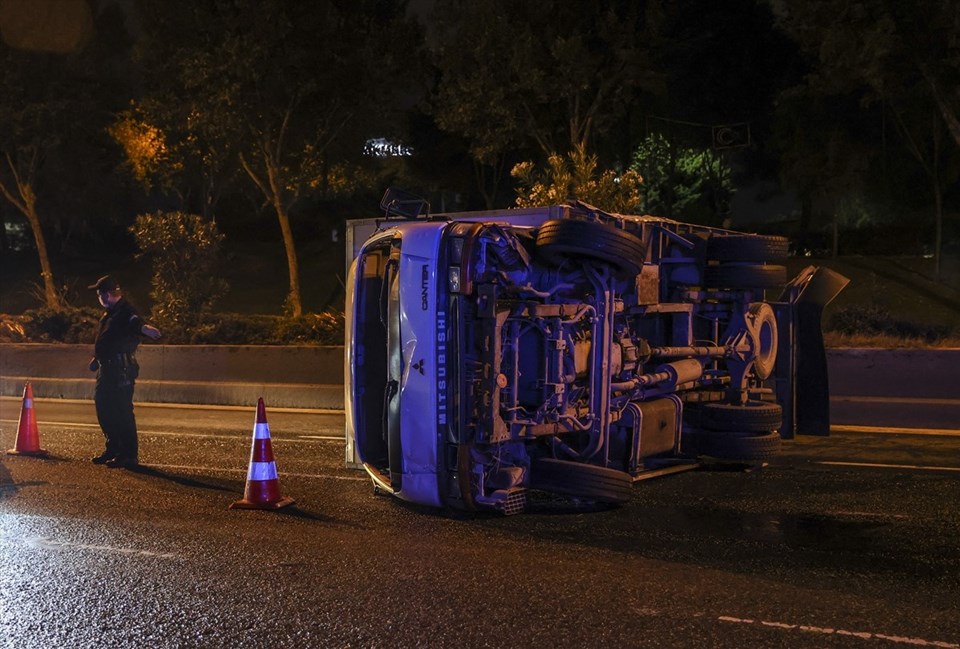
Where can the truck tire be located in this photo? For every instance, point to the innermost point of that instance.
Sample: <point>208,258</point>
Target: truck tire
<point>753,417</point>
<point>560,240</point>
<point>597,483</point>
<point>747,247</point>
<point>745,276</point>
<point>741,446</point>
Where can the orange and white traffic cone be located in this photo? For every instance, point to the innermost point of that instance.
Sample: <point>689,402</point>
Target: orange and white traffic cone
<point>263,487</point>
<point>28,437</point>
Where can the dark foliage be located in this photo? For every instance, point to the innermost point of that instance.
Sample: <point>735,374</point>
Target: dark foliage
<point>46,325</point>
<point>872,320</point>
<point>79,326</point>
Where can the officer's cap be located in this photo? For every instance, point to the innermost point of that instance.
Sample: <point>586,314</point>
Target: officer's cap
<point>105,284</point>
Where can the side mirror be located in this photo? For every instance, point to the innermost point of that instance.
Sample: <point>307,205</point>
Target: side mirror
<point>404,204</point>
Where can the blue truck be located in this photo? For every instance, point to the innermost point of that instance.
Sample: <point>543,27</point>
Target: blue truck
<point>568,350</point>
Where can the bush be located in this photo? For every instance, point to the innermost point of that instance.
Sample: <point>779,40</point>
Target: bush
<point>873,320</point>
<point>313,328</point>
<point>184,249</point>
<point>79,326</point>
<point>45,325</point>
<point>237,329</point>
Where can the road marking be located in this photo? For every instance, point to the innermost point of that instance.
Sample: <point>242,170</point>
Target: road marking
<point>167,433</point>
<point>907,400</point>
<point>873,465</point>
<point>207,469</point>
<point>39,542</point>
<point>948,432</point>
<point>863,635</point>
<point>187,406</point>
<point>869,514</point>
<point>281,440</point>
<point>65,424</point>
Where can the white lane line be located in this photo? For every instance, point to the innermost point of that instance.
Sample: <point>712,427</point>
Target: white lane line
<point>41,543</point>
<point>894,430</point>
<point>65,424</point>
<point>246,436</point>
<point>905,400</point>
<point>166,433</point>
<point>208,469</point>
<point>874,465</point>
<point>942,432</point>
<point>868,514</point>
<point>863,635</point>
<point>187,406</point>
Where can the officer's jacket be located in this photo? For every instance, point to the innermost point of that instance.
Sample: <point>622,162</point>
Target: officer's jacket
<point>119,333</point>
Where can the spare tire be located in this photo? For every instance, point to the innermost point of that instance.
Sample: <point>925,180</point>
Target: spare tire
<point>562,240</point>
<point>754,416</point>
<point>746,447</point>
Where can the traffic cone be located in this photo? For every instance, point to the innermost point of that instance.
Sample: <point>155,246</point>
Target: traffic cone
<point>263,487</point>
<point>28,437</point>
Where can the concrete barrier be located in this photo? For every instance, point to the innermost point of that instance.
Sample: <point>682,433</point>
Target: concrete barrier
<point>285,376</point>
<point>312,377</point>
<point>900,373</point>
<point>895,389</point>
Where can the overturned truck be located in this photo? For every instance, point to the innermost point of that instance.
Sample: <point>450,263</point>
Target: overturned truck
<point>569,350</point>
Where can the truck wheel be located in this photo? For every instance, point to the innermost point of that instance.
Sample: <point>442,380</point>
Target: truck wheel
<point>753,417</point>
<point>745,276</point>
<point>595,483</point>
<point>560,240</point>
<point>747,247</point>
<point>747,447</point>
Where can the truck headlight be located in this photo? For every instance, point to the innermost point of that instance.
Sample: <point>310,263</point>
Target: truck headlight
<point>453,279</point>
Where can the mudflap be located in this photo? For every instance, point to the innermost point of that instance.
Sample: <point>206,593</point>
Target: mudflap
<point>802,383</point>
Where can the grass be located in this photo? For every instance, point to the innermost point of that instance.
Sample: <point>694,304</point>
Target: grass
<point>836,339</point>
<point>904,287</point>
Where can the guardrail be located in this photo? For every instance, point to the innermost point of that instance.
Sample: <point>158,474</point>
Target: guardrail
<point>285,376</point>
<point>863,382</point>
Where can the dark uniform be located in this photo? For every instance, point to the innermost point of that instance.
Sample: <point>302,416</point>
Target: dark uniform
<point>114,350</point>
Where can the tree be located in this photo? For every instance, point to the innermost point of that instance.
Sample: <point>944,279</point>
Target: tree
<point>55,94</point>
<point>576,177</point>
<point>21,195</point>
<point>922,131</point>
<point>822,155</point>
<point>184,249</point>
<point>894,52</point>
<point>550,75</point>
<point>289,91</point>
<point>177,158</point>
<point>681,182</point>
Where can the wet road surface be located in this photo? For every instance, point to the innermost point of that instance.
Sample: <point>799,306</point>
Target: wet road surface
<point>850,541</point>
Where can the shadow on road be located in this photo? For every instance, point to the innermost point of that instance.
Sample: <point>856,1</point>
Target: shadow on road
<point>296,512</point>
<point>183,480</point>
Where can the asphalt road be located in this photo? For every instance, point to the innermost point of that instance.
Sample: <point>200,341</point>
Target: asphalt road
<point>849,541</point>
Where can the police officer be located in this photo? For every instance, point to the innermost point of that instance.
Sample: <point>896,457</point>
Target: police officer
<point>116,367</point>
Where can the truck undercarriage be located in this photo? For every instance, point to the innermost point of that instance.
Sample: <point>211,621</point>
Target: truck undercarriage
<point>589,351</point>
